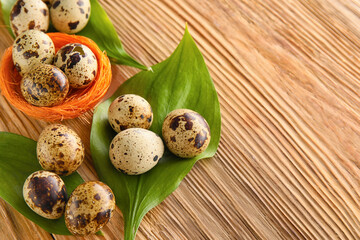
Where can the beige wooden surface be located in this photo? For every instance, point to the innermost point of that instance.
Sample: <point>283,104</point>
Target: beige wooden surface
<point>287,74</point>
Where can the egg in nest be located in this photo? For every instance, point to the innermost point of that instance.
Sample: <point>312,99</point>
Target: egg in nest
<point>78,63</point>
<point>44,86</point>
<point>30,48</point>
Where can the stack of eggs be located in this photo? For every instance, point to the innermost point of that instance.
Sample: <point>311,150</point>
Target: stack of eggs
<point>60,151</point>
<point>47,76</point>
<point>135,149</point>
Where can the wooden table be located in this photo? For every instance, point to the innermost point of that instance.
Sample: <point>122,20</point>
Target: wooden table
<point>287,74</point>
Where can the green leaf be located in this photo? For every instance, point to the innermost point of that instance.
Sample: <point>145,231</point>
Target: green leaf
<point>181,81</point>
<point>17,161</point>
<point>99,29</point>
<point>6,6</point>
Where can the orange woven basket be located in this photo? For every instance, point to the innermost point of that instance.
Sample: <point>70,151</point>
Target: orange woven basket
<point>77,102</point>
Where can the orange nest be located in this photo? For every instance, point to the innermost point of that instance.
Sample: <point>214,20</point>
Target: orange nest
<point>77,102</point>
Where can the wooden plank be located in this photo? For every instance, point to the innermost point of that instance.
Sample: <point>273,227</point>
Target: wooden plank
<point>287,75</point>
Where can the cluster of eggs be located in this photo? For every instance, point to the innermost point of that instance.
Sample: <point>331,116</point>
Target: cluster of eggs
<point>136,150</point>
<point>47,76</point>
<point>68,16</point>
<point>60,151</point>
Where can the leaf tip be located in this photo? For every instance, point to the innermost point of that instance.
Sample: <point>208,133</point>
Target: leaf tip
<point>187,33</point>
<point>186,28</point>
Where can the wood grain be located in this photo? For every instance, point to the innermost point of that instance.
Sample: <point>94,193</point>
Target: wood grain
<point>287,75</point>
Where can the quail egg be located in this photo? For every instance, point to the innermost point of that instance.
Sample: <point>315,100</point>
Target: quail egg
<point>130,111</point>
<point>135,151</point>
<point>70,16</point>
<point>44,86</point>
<point>32,47</point>
<point>186,133</point>
<point>59,149</point>
<point>89,208</point>
<point>79,64</point>
<point>29,14</point>
<point>45,193</point>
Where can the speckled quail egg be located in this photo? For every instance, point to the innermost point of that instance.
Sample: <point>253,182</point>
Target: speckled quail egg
<point>135,151</point>
<point>44,86</point>
<point>45,193</point>
<point>89,208</point>
<point>79,64</point>
<point>70,16</point>
<point>186,133</point>
<point>32,47</point>
<point>59,149</point>
<point>130,111</point>
<point>29,14</point>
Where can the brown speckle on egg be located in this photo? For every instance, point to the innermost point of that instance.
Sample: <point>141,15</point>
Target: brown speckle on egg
<point>89,208</point>
<point>55,4</point>
<point>73,25</point>
<point>44,11</point>
<point>29,53</point>
<point>130,111</point>
<point>60,149</point>
<point>48,2</point>
<point>186,133</point>
<point>44,86</point>
<point>31,24</point>
<point>45,193</point>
